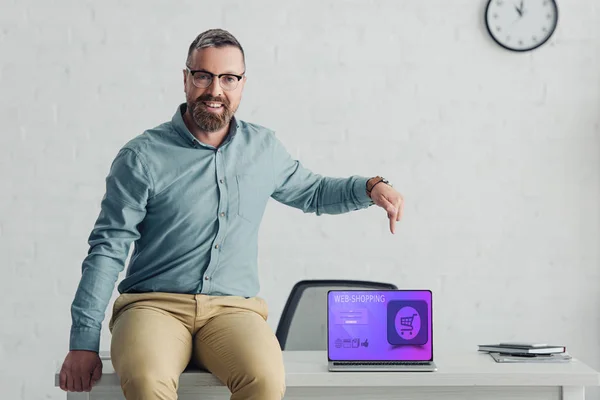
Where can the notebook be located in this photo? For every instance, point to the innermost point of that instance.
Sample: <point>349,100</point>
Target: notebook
<point>380,330</point>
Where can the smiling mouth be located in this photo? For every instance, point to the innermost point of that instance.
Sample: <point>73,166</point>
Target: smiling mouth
<point>212,105</point>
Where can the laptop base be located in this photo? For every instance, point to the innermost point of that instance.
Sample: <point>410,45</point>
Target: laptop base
<point>366,366</point>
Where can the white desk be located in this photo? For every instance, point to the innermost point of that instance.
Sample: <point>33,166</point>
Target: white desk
<point>469,375</point>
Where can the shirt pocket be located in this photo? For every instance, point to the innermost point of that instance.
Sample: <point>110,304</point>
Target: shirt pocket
<point>253,194</point>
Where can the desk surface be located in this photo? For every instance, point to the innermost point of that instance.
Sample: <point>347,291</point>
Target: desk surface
<point>309,369</point>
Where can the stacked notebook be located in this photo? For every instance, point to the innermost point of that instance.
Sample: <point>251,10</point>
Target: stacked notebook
<point>525,352</point>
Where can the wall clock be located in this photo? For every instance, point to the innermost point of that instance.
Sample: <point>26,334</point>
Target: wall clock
<point>521,25</point>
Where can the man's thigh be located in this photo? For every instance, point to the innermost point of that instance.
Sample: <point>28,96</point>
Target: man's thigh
<point>148,343</point>
<point>239,347</point>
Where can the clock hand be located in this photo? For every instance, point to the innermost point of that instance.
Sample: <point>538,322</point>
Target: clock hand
<point>519,11</point>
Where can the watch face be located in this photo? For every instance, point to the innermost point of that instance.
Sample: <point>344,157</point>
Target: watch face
<point>521,25</point>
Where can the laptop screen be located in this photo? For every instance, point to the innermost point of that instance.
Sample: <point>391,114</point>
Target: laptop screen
<point>387,325</point>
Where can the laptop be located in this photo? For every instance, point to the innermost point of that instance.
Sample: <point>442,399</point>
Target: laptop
<point>380,330</point>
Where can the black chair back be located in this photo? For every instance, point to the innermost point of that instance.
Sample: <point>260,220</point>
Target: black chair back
<point>303,323</point>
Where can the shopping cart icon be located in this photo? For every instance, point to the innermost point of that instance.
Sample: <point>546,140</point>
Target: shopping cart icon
<point>406,324</point>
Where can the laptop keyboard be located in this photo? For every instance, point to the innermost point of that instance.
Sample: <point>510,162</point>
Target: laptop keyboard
<point>378,363</point>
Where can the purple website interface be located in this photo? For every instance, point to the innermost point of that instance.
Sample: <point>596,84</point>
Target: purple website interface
<point>380,325</point>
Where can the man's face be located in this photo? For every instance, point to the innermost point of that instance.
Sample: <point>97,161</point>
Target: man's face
<point>212,108</point>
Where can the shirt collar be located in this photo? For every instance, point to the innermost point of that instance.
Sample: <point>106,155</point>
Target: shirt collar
<point>185,133</point>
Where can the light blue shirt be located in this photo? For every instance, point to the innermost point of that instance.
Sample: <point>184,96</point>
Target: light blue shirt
<point>193,212</point>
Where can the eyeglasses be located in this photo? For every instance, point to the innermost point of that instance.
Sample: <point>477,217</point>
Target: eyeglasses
<point>203,79</point>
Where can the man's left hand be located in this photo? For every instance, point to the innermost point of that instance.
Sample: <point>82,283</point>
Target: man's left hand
<point>390,200</point>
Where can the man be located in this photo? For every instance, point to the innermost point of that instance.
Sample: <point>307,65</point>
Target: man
<point>191,194</point>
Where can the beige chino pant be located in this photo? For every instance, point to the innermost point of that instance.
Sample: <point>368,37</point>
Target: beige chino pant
<point>155,336</point>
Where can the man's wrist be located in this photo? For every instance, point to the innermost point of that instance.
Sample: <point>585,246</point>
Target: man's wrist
<point>371,183</point>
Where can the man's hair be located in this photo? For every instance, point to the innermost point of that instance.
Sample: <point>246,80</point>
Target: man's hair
<point>214,38</point>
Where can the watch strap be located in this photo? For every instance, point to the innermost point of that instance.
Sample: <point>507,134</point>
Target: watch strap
<point>374,181</point>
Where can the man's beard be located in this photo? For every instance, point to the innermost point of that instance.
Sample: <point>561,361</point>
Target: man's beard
<point>207,121</point>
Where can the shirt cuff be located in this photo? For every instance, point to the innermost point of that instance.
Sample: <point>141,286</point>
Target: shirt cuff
<point>85,339</point>
<point>360,191</point>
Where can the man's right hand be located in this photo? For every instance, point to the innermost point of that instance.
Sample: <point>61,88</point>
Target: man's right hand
<point>80,371</point>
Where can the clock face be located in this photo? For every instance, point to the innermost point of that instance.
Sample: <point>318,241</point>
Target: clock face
<point>521,25</point>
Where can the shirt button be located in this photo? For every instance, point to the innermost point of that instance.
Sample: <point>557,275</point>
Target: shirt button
<point>216,246</point>
<point>222,214</point>
<point>206,278</point>
<point>221,180</point>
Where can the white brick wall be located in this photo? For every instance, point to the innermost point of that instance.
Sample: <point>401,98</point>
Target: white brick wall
<point>496,153</point>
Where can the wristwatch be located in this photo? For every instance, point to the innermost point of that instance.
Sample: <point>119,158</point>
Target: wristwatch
<point>374,181</point>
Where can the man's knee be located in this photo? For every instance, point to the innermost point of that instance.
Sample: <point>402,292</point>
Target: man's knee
<point>260,381</point>
<point>147,385</point>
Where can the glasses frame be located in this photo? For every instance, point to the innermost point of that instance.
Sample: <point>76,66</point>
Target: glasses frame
<point>212,78</point>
